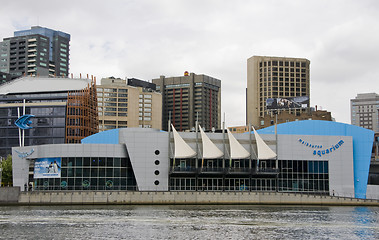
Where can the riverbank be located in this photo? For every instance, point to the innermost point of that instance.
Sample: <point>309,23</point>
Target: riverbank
<point>13,196</point>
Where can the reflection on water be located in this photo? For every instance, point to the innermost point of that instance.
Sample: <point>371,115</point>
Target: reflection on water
<point>188,222</point>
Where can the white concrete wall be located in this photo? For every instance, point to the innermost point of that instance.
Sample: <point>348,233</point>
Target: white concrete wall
<point>372,192</point>
<point>20,165</point>
<point>141,144</point>
<point>341,171</point>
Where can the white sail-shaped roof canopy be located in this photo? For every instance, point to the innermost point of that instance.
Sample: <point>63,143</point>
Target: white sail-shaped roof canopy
<point>237,151</point>
<point>210,150</point>
<point>264,151</point>
<point>182,149</point>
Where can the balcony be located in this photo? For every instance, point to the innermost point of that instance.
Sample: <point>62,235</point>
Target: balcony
<point>212,170</point>
<point>239,170</point>
<point>184,170</point>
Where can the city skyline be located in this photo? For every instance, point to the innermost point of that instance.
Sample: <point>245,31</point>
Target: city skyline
<point>146,39</point>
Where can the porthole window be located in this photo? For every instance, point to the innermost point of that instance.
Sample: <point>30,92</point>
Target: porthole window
<point>156,172</point>
<point>156,182</point>
<point>157,152</point>
<point>156,162</point>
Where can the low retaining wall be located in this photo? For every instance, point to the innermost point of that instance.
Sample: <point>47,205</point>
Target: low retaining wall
<point>180,198</point>
<point>9,194</point>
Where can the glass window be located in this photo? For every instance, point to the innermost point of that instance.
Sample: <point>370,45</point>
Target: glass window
<point>117,172</point>
<point>94,172</point>
<point>117,162</point>
<point>101,172</point>
<point>87,161</point>
<point>71,162</point>
<point>79,162</point>
<point>109,162</point>
<point>123,162</point>
<point>102,161</point>
<point>94,161</point>
<point>86,172</point>
<point>109,172</point>
<point>78,172</point>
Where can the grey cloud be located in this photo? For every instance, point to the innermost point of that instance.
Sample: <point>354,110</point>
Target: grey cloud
<point>146,39</point>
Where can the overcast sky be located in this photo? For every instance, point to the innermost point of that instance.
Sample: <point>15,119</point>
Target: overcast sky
<point>148,38</point>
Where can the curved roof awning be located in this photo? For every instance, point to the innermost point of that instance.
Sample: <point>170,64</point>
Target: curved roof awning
<point>210,150</point>
<point>237,151</point>
<point>182,149</point>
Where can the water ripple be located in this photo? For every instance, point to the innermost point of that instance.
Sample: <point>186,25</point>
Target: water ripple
<point>188,222</point>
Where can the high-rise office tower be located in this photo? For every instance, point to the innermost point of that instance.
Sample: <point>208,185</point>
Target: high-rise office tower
<point>121,105</point>
<point>190,97</point>
<point>274,77</point>
<point>38,51</point>
<point>365,111</point>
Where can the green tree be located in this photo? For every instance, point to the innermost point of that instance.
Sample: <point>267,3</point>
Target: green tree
<point>6,166</point>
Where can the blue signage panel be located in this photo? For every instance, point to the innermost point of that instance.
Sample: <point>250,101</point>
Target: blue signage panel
<point>23,122</point>
<point>47,168</point>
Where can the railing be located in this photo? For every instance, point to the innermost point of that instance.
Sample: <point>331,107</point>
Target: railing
<point>81,188</point>
<point>239,170</point>
<point>212,169</point>
<point>267,170</point>
<point>191,169</point>
<point>187,169</point>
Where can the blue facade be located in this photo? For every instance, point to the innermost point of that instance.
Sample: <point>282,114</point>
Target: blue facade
<point>106,137</point>
<point>362,144</point>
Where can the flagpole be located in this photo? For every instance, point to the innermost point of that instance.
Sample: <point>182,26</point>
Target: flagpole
<point>19,129</point>
<point>23,130</point>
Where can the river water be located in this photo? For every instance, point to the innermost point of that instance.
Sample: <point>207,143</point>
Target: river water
<point>189,222</point>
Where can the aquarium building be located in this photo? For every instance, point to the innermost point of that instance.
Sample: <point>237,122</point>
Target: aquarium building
<point>314,157</point>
